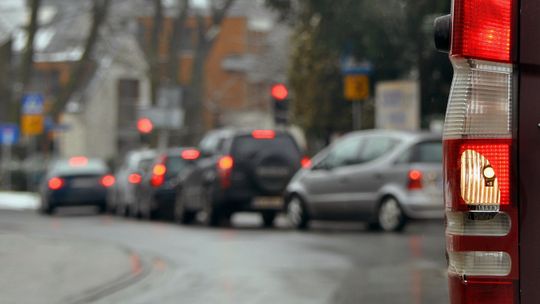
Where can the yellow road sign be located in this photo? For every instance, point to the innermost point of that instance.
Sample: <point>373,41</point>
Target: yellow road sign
<point>32,125</point>
<point>356,87</point>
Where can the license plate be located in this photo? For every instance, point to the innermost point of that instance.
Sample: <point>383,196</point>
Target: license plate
<point>83,183</point>
<point>268,202</point>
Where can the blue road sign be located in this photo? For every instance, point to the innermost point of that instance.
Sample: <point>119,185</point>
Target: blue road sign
<point>9,134</point>
<point>32,104</point>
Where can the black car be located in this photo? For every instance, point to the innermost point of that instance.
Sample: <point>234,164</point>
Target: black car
<point>155,194</point>
<point>239,171</point>
<point>77,181</point>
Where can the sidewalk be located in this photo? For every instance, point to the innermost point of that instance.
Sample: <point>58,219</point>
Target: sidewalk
<point>18,200</point>
<point>46,270</point>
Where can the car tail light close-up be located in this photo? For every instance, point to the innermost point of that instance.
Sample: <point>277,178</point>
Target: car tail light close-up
<point>134,178</point>
<point>305,162</point>
<point>56,183</point>
<point>415,180</point>
<point>158,173</point>
<point>481,211</point>
<point>263,134</point>
<point>225,166</point>
<point>191,154</point>
<point>107,181</point>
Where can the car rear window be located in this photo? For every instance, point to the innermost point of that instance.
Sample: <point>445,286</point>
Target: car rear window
<point>427,152</point>
<point>175,165</point>
<point>91,167</point>
<point>246,146</point>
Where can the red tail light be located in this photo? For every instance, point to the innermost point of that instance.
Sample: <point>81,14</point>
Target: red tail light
<point>158,173</point>
<point>225,166</point>
<point>415,180</point>
<point>107,181</point>
<point>481,216</point>
<point>305,162</point>
<point>263,134</point>
<point>134,178</point>
<point>482,29</point>
<point>78,161</point>
<point>191,154</point>
<point>56,183</point>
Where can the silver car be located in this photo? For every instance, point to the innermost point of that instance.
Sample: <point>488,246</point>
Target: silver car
<point>381,177</point>
<point>122,196</point>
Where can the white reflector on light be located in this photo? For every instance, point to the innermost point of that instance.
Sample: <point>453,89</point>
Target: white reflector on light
<point>480,101</point>
<point>470,223</point>
<point>479,263</point>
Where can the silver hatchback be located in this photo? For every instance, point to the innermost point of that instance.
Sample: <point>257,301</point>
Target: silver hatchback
<point>381,177</point>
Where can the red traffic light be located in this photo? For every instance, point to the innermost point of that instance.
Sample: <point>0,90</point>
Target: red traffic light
<point>145,125</point>
<point>279,91</point>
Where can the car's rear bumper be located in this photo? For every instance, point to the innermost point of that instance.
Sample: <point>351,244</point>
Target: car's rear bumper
<point>251,201</point>
<point>77,197</point>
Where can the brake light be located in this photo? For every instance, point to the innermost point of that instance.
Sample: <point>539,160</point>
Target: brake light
<point>107,181</point>
<point>56,183</point>
<point>134,178</point>
<point>263,134</point>
<point>482,29</point>
<point>225,166</point>
<point>305,162</point>
<point>481,216</point>
<point>158,173</point>
<point>415,180</point>
<point>159,169</point>
<point>191,154</point>
<point>78,161</point>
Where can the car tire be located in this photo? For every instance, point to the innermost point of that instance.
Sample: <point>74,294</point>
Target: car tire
<point>181,214</point>
<point>390,216</point>
<point>297,213</point>
<point>46,207</point>
<point>212,214</point>
<point>268,218</point>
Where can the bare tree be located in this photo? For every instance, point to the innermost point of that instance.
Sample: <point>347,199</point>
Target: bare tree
<point>100,9</point>
<point>176,40</point>
<point>27,62</point>
<point>153,50</point>
<point>208,30</point>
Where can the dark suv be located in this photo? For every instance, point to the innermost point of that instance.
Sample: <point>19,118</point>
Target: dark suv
<point>239,171</point>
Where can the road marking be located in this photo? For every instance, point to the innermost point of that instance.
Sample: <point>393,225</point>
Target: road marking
<point>136,266</point>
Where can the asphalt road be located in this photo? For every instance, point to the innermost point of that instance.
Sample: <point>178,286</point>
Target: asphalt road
<point>331,263</point>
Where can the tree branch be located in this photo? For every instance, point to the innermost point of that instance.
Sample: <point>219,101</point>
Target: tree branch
<point>100,9</point>
<point>176,41</point>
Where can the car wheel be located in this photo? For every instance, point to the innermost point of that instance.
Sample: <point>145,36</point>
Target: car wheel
<point>390,215</point>
<point>181,214</point>
<point>297,213</point>
<point>211,213</point>
<point>46,207</point>
<point>268,218</point>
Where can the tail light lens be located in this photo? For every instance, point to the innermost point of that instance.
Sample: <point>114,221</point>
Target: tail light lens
<point>306,162</point>
<point>481,216</point>
<point>158,173</point>
<point>482,29</point>
<point>225,166</point>
<point>107,181</point>
<point>263,134</point>
<point>191,154</point>
<point>134,178</point>
<point>56,183</point>
<point>415,180</point>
